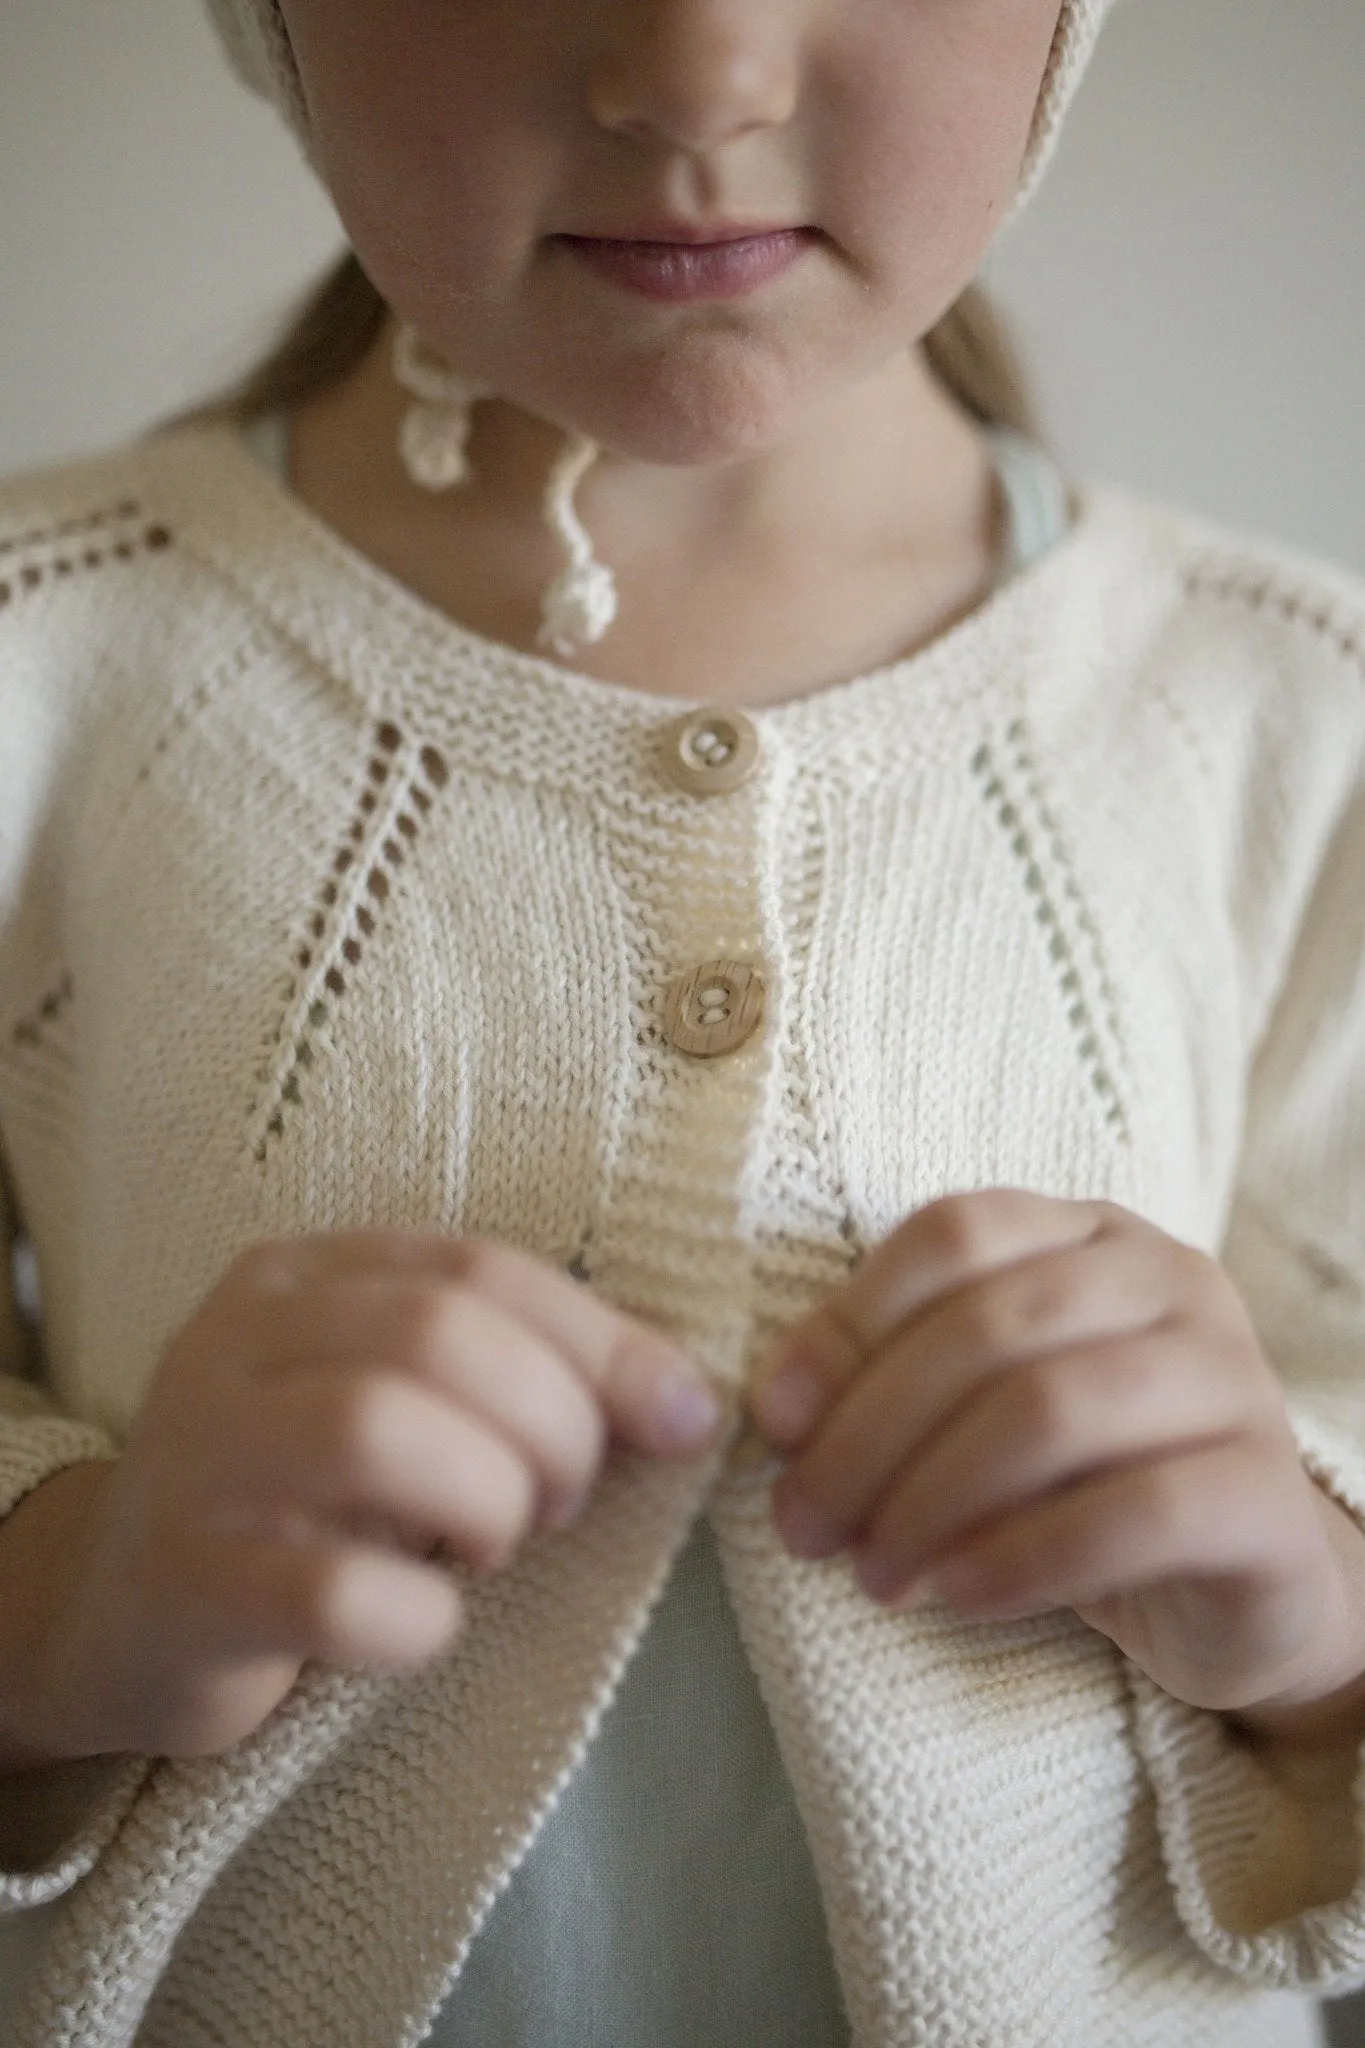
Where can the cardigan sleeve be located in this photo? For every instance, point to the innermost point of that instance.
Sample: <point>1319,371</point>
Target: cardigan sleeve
<point>1267,1854</point>
<point>55,1822</point>
<point>36,1440</point>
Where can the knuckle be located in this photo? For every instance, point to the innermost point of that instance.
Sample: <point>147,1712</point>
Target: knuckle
<point>960,1229</point>
<point>1114,1220</point>
<point>442,1329</point>
<point>1019,1307</point>
<point>268,1266</point>
<point>1195,1278</point>
<point>430,1326</point>
<point>1049,1293</point>
<point>482,1264</point>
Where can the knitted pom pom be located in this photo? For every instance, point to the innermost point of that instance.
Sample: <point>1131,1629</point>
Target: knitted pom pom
<point>577,609</point>
<point>433,442</point>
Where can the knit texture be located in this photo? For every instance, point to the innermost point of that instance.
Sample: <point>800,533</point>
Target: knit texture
<point>258,46</point>
<point>318,911</point>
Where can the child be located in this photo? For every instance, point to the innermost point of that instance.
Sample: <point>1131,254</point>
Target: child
<point>658,1266</point>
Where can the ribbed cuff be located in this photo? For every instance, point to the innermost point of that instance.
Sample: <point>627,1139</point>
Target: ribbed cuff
<point>1245,1842</point>
<point>56,1823</point>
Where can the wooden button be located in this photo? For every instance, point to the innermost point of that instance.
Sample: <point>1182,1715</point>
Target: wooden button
<point>710,751</point>
<point>714,1009</point>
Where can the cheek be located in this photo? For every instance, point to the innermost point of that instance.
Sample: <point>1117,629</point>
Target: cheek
<point>436,236</point>
<point>438,175</point>
<point>921,140</point>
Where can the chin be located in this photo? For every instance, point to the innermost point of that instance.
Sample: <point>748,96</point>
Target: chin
<point>693,406</point>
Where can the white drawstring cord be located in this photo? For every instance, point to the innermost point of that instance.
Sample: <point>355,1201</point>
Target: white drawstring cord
<point>434,436</point>
<point>580,605</point>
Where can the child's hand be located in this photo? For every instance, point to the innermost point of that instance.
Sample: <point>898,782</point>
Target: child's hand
<point>1019,1403</point>
<point>339,1410</point>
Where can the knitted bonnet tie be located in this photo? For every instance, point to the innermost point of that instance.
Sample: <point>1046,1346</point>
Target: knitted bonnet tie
<point>581,603</point>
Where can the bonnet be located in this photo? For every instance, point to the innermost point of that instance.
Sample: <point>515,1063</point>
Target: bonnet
<point>258,46</point>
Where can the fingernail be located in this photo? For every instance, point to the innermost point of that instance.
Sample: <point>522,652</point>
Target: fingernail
<point>787,1404</point>
<point>687,1412</point>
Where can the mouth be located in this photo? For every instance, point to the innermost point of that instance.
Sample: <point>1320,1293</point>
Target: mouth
<point>680,264</point>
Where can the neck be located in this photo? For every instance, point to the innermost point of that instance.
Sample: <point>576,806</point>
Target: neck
<point>889,449</point>
<point>872,525</point>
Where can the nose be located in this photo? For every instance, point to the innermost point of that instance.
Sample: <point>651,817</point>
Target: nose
<point>695,74</point>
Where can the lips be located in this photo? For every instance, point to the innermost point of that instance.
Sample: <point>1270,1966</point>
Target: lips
<point>677,268</point>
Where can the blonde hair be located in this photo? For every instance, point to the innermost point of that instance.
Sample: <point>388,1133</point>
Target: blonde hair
<point>970,352</point>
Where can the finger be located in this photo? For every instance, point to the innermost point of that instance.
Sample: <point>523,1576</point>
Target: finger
<point>345,1604</point>
<point>936,1251</point>
<point>654,1396</point>
<point>375,1446</point>
<point>466,1346</point>
<point>1105,1288</point>
<point>1198,1515</point>
<point>1029,1433</point>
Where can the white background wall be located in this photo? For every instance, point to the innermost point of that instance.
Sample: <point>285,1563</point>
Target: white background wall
<point>1191,284</point>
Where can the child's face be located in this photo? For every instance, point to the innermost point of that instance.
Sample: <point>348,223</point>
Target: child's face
<point>464,139</point>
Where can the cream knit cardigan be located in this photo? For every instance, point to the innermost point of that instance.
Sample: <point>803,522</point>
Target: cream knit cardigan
<point>317,910</point>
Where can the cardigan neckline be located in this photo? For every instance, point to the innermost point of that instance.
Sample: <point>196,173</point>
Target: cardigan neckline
<point>502,711</point>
